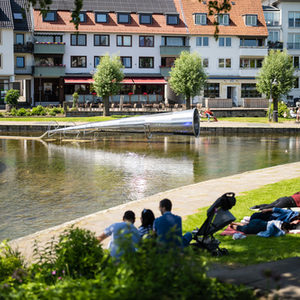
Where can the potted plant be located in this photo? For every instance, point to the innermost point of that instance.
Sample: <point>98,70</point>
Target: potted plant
<point>75,99</point>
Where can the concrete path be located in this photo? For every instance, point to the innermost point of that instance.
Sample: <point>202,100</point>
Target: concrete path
<point>281,278</point>
<point>186,201</point>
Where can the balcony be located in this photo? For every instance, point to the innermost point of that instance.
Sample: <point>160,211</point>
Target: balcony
<point>24,71</point>
<point>253,51</point>
<point>293,46</point>
<point>173,50</point>
<point>25,48</point>
<point>49,48</point>
<point>275,45</point>
<point>164,71</point>
<point>49,71</point>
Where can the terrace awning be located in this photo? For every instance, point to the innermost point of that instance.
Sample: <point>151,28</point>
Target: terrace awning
<point>124,81</point>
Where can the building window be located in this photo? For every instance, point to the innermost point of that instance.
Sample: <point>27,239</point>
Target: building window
<point>18,16</point>
<point>101,40</point>
<point>251,42</point>
<point>101,18</point>
<point>167,62</point>
<point>294,19</point>
<point>225,63</point>
<point>249,91</point>
<point>293,41</point>
<point>20,39</point>
<point>224,42</point>
<point>145,19</point>
<point>272,18</point>
<point>146,41</point>
<point>78,61</point>
<point>124,18</point>
<point>124,40</point>
<point>97,61</point>
<point>172,41</point>
<point>82,17</point>
<point>172,20</point>
<point>251,63</point>
<point>202,41</point>
<point>205,62</point>
<point>296,84</point>
<point>251,20</point>
<point>200,19</point>
<point>273,36</point>
<point>126,61</point>
<point>50,16</point>
<point>296,62</point>
<point>146,62</point>
<point>78,39</point>
<point>223,19</point>
<point>0,37</point>
<point>20,61</point>
<point>212,90</point>
<point>48,38</point>
<point>0,61</point>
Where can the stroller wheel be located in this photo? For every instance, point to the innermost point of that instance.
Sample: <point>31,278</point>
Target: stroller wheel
<point>224,251</point>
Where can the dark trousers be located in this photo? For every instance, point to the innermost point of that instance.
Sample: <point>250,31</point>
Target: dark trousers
<point>253,227</point>
<point>280,202</point>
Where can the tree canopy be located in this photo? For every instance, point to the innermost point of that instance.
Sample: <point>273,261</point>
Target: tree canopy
<point>276,77</point>
<point>109,74</point>
<point>188,77</point>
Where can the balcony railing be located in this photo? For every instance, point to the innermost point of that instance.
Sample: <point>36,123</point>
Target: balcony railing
<point>49,70</point>
<point>164,71</point>
<point>25,48</point>
<point>275,45</point>
<point>24,71</point>
<point>293,45</point>
<point>49,48</point>
<point>173,50</point>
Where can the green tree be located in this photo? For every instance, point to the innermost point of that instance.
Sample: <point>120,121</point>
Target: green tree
<point>12,97</point>
<point>107,79</point>
<point>276,77</point>
<point>188,76</point>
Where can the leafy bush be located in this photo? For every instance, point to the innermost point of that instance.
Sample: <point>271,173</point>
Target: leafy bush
<point>76,267</point>
<point>1,115</point>
<point>58,110</point>
<point>11,264</point>
<point>21,112</point>
<point>28,112</point>
<point>38,111</point>
<point>13,111</point>
<point>12,97</point>
<point>282,109</point>
<point>75,99</point>
<point>52,113</point>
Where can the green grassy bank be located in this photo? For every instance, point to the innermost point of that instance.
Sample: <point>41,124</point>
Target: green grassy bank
<point>253,249</point>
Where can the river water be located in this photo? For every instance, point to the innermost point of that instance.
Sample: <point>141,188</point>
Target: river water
<point>45,184</point>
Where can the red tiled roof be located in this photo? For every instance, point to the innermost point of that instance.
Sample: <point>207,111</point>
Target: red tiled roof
<point>237,25</point>
<point>63,24</point>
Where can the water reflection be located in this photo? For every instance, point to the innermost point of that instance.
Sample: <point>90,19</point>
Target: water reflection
<point>46,184</point>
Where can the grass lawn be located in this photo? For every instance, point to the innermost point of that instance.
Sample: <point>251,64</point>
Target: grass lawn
<point>62,119</point>
<point>253,249</point>
<point>254,119</point>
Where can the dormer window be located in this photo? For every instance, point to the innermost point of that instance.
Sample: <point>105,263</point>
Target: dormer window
<point>223,19</point>
<point>18,16</point>
<point>145,19</point>
<point>50,16</point>
<point>200,19</point>
<point>251,20</point>
<point>82,17</point>
<point>124,18</point>
<point>101,18</point>
<point>172,19</point>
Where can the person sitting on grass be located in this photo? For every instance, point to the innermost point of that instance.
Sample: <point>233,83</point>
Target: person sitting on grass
<point>168,227</point>
<point>122,233</point>
<point>283,202</point>
<point>147,220</point>
<point>210,114</point>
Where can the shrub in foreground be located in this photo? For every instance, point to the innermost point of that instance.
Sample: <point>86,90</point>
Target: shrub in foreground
<point>149,273</point>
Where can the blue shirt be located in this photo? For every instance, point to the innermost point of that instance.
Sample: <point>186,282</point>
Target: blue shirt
<point>144,230</point>
<point>168,228</point>
<point>284,215</point>
<point>121,233</point>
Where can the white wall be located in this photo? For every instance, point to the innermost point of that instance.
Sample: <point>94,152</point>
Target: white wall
<point>7,52</point>
<point>90,51</point>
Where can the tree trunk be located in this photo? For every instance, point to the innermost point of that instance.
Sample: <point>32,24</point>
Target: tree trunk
<point>188,102</point>
<point>106,106</point>
<point>275,110</point>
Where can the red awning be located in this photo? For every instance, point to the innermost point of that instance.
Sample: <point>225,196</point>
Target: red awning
<point>149,81</point>
<point>124,81</point>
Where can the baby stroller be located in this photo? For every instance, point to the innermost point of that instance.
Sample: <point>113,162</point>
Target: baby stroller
<point>218,216</point>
